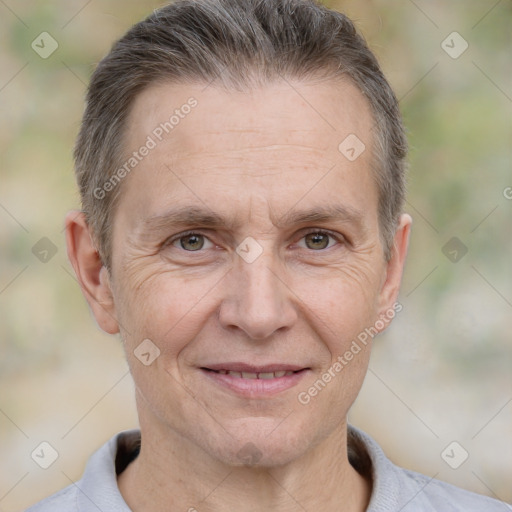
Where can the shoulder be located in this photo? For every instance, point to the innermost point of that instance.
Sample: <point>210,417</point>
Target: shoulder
<point>97,489</point>
<point>395,488</point>
<point>437,495</point>
<point>62,501</point>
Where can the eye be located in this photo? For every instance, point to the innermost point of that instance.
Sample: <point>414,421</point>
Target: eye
<point>192,242</point>
<point>317,241</point>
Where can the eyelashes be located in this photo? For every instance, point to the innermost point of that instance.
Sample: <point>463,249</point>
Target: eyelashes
<point>315,240</point>
<point>192,242</point>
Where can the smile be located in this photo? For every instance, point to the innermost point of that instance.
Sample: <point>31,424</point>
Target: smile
<point>250,375</point>
<point>254,382</point>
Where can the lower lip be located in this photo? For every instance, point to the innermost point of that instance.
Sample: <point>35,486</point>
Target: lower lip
<point>256,388</point>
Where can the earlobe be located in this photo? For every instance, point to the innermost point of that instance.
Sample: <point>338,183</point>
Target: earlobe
<point>395,265</point>
<point>91,274</point>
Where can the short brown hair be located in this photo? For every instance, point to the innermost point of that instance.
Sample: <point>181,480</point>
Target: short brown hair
<point>236,44</point>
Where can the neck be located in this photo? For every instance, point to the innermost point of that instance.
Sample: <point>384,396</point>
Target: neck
<point>172,474</point>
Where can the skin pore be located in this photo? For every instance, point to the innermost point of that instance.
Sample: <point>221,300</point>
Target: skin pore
<point>259,171</point>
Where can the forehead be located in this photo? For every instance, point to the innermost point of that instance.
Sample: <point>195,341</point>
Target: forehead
<point>279,144</point>
<point>281,111</point>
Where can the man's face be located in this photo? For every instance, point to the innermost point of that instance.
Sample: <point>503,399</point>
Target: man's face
<point>246,241</point>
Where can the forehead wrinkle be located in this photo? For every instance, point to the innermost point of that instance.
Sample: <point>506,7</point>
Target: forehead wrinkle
<point>250,156</point>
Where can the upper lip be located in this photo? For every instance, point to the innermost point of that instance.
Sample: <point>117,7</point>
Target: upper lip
<point>251,368</point>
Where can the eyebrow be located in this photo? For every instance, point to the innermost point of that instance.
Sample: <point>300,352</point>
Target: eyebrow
<point>206,218</point>
<point>185,216</point>
<point>323,214</point>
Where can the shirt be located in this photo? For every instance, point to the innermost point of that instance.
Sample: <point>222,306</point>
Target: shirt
<point>394,489</point>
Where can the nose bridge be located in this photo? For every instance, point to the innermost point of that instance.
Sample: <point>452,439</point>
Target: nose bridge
<point>260,303</point>
<point>260,282</point>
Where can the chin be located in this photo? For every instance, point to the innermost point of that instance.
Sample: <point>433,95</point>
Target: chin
<point>260,447</point>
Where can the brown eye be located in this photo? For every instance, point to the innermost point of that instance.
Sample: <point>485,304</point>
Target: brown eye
<point>317,241</point>
<point>192,242</point>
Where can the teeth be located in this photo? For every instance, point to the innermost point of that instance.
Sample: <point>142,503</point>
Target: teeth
<point>269,375</point>
<point>261,375</point>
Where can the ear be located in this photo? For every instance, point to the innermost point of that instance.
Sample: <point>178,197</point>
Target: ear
<point>395,266</point>
<point>92,276</point>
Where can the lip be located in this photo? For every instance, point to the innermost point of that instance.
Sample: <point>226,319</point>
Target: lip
<point>254,387</point>
<point>252,368</point>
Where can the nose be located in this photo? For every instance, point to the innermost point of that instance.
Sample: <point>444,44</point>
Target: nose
<point>257,302</point>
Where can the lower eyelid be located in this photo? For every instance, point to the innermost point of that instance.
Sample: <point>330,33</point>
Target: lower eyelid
<point>171,241</point>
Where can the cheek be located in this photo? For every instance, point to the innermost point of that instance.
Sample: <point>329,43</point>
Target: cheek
<point>160,323</point>
<point>166,309</point>
<point>341,303</point>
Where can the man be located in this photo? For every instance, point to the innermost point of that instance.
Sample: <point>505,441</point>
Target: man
<point>241,168</point>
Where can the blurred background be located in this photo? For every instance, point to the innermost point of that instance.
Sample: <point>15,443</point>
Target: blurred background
<point>441,374</point>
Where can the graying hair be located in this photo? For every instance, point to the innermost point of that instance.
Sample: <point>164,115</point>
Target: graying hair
<point>238,44</point>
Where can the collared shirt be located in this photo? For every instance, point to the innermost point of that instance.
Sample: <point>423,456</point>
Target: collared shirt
<point>394,489</point>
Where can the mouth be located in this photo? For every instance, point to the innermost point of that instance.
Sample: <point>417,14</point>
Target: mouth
<point>255,381</point>
<point>254,375</point>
